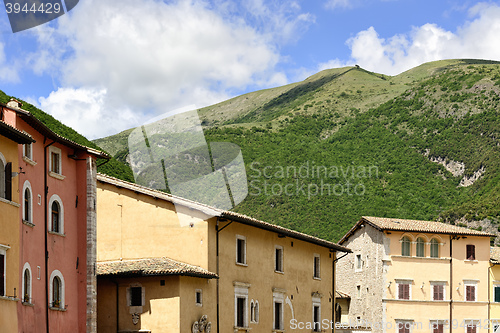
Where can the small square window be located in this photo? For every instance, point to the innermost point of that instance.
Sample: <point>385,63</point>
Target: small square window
<point>278,259</point>
<point>317,267</point>
<point>471,252</point>
<point>199,297</point>
<point>359,263</point>
<point>241,256</point>
<point>162,282</point>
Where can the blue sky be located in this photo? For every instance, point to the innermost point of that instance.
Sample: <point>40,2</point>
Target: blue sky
<point>109,65</point>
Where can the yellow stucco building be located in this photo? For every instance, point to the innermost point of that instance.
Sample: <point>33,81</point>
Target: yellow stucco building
<point>408,276</point>
<point>494,296</point>
<point>167,264</point>
<point>10,289</point>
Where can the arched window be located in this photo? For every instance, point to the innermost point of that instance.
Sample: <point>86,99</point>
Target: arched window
<point>406,246</point>
<point>26,284</point>
<point>252,312</point>
<point>56,292</point>
<point>256,312</point>
<point>434,248</point>
<point>56,215</point>
<point>420,247</point>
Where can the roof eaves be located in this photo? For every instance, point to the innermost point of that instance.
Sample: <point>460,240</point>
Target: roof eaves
<point>14,134</point>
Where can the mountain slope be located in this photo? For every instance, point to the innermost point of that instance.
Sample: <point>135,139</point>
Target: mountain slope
<point>367,144</point>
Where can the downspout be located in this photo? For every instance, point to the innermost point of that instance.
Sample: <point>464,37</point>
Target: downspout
<point>451,284</point>
<point>489,293</point>
<point>46,193</point>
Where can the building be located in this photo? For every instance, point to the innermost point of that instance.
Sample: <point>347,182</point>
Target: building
<point>10,293</point>
<point>494,295</point>
<point>407,276</point>
<point>167,264</point>
<point>55,226</point>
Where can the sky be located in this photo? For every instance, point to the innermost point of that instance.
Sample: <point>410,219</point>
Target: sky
<point>109,65</point>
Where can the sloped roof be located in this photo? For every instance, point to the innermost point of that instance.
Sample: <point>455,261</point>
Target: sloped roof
<point>220,213</point>
<point>14,134</point>
<point>393,224</point>
<point>341,294</point>
<point>40,127</point>
<point>151,267</point>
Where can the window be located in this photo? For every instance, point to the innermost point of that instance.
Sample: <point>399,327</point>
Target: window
<point>359,263</point>
<point>404,326</point>
<point>420,247</point>
<point>26,291</point>
<point>278,258</point>
<point>405,246</point>
<point>7,184</point>
<point>254,311</point>
<point>27,151</point>
<point>437,291</point>
<point>496,289</point>
<point>471,252</point>
<point>3,162</point>
<point>3,256</point>
<point>358,291</point>
<point>471,326</point>
<point>438,326</point>
<point>241,249</point>
<point>56,292</point>
<point>434,248</point>
<point>317,267</point>
<point>135,296</point>
<point>241,304</point>
<point>470,291</point>
<point>278,308</point>
<point>27,203</point>
<point>316,315</point>
<point>55,160</point>
<point>56,215</point>
<point>404,290</point>
<point>199,297</point>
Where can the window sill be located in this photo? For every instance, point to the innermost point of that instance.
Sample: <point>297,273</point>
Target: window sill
<point>418,258</point>
<point>7,298</point>
<point>316,278</point>
<point>28,223</point>
<point>279,272</point>
<point>241,329</point>
<point>471,261</point>
<point>241,264</point>
<point>28,304</point>
<point>57,309</point>
<point>279,331</point>
<point>57,233</point>
<point>199,305</point>
<point>56,175</point>
<point>15,204</point>
<point>29,160</point>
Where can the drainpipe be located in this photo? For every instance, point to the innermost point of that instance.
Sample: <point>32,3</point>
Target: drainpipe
<point>451,284</point>
<point>489,298</point>
<point>46,193</point>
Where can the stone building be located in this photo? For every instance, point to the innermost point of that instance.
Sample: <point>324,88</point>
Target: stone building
<point>415,276</point>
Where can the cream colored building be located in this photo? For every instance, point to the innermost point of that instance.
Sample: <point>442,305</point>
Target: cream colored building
<point>166,264</point>
<point>408,276</point>
<point>494,279</point>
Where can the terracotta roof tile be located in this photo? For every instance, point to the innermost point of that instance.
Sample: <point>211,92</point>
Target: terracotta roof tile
<point>151,267</point>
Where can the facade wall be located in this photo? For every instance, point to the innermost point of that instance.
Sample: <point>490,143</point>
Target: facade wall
<point>133,225</point>
<point>296,286</point>
<point>9,240</point>
<point>372,246</point>
<point>494,272</point>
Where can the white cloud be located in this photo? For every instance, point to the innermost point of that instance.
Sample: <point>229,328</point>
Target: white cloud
<point>86,111</point>
<point>155,57</point>
<point>477,38</point>
<point>8,72</point>
<point>334,4</point>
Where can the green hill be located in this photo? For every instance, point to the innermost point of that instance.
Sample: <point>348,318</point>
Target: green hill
<point>371,145</point>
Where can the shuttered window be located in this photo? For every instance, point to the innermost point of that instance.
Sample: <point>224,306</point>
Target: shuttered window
<point>438,292</point>
<point>403,291</point>
<point>471,252</point>
<point>497,293</point>
<point>470,293</point>
<point>437,328</point>
<point>2,275</point>
<point>471,328</point>
<point>8,181</point>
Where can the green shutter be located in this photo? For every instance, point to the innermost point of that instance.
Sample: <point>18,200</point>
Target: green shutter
<point>497,294</point>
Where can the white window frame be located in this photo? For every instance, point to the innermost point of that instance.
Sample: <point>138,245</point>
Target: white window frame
<point>404,322</point>
<point>58,151</point>
<point>316,302</point>
<point>3,250</point>
<point>496,284</point>
<point>135,308</point>
<point>63,287</point>
<point>280,248</point>
<point>29,156</point>
<point>241,291</point>
<point>200,292</point>
<point>244,263</point>
<point>438,283</point>
<point>358,262</point>
<point>27,185</point>
<point>318,276</point>
<point>53,198</point>
<point>279,297</point>
<point>30,284</point>
<point>470,283</point>
<point>476,322</point>
<point>404,281</point>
